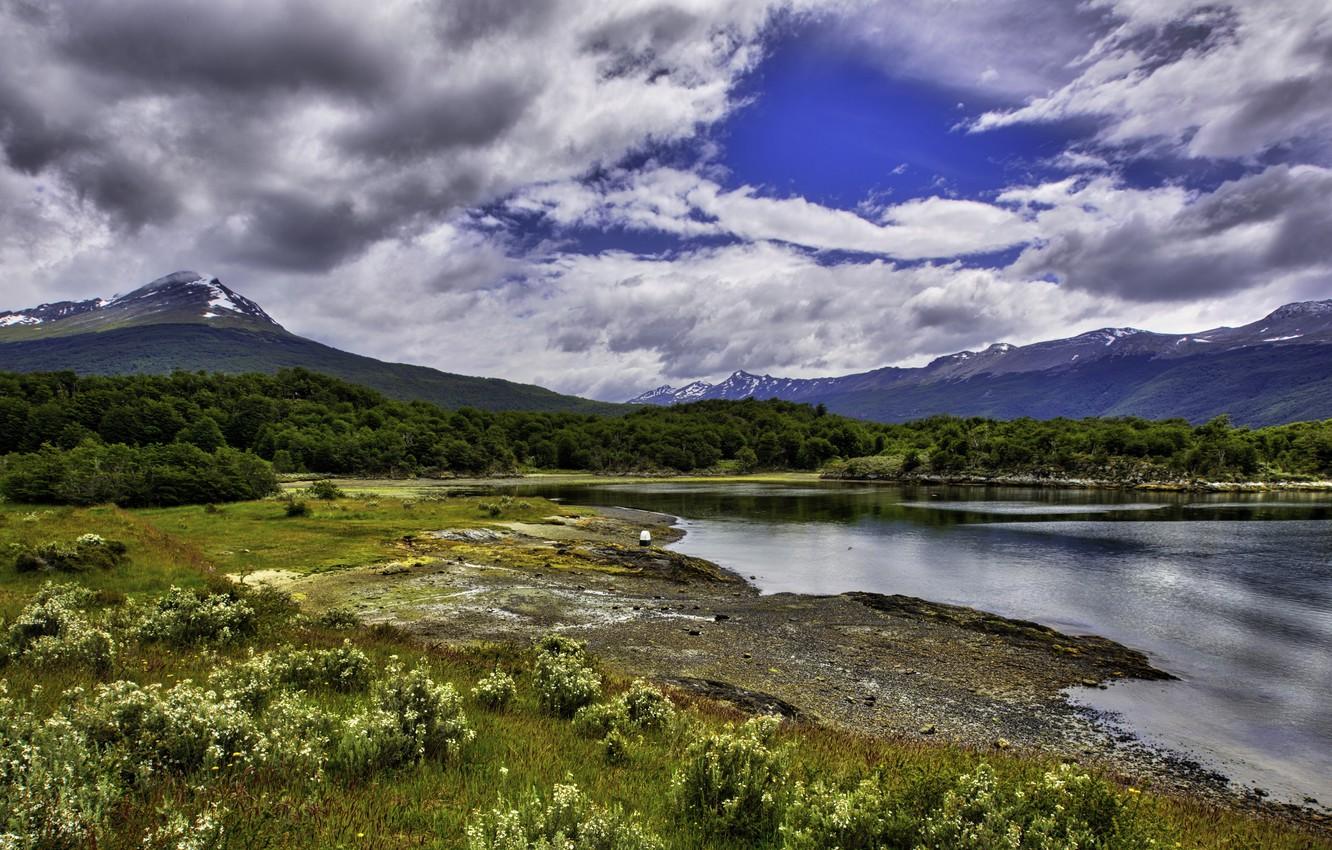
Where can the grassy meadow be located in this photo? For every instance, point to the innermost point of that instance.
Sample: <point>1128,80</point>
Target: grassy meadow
<point>336,796</point>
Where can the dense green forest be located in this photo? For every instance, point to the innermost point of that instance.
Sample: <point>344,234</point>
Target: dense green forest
<point>192,437</point>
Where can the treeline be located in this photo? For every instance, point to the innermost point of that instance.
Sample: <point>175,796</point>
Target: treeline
<point>1118,448</point>
<point>300,421</point>
<point>149,439</point>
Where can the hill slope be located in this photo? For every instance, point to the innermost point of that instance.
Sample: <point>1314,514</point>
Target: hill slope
<point>1272,371</point>
<point>191,322</point>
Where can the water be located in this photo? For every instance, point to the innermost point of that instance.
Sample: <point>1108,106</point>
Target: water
<point>1233,594</point>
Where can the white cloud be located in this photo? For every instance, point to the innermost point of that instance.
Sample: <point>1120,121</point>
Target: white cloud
<point>686,204</point>
<point>1170,244</point>
<point>1217,80</point>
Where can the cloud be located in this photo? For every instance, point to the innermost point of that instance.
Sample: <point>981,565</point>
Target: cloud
<point>1213,80</point>
<point>1007,49</point>
<point>1169,244</point>
<point>686,204</point>
<point>295,136</point>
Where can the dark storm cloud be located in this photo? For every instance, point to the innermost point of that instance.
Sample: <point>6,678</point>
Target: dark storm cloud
<point>469,20</point>
<point>191,45</point>
<point>30,138</point>
<point>130,192</point>
<point>427,125</point>
<point>300,232</point>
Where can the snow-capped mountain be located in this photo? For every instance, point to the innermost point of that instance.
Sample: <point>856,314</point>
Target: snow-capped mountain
<point>1108,371</point>
<point>190,322</point>
<point>179,297</point>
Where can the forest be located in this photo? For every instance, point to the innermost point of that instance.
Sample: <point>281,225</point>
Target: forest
<point>196,437</point>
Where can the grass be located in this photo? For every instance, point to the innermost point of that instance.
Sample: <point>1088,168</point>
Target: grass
<point>428,805</point>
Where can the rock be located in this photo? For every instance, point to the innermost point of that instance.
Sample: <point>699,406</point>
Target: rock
<point>694,633</point>
<point>720,618</point>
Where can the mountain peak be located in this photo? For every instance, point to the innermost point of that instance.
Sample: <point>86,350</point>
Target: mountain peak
<point>180,297</point>
<point>1301,308</point>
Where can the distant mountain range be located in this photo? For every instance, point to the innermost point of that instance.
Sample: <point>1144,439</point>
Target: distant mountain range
<point>1278,369</point>
<point>189,321</point>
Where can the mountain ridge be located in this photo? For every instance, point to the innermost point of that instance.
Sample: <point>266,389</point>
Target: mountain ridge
<point>188,321</point>
<point>1105,363</point>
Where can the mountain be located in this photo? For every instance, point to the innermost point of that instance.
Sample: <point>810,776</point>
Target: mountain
<point>1278,369</point>
<point>192,322</point>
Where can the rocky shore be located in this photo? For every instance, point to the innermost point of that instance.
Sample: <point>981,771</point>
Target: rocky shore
<point>887,665</point>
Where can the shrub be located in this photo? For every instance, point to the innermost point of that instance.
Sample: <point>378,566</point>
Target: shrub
<point>298,735</point>
<point>296,508</point>
<point>368,741</point>
<point>564,683</point>
<point>338,619</point>
<point>820,818</point>
<point>181,730</point>
<point>554,643</point>
<point>183,618</point>
<point>594,721</point>
<point>1064,810</point>
<point>733,782</point>
<point>53,630</point>
<point>567,821</point>
<point>180,832</point>
<point>412,718</point>
<point>88,552</point>
<point>326,490</point>
<point>254,681</point>
<point>646,707</point>
<point>615,747</point>
<point>495,691</point>
<point>54,788</point>
<point>642,707</point>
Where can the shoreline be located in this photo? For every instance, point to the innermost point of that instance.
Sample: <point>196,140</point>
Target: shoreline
<point>892,666</point>
<point>794,477</point>
<point>1088,483</point>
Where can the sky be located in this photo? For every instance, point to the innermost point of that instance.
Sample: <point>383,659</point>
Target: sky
<point>605,197</point>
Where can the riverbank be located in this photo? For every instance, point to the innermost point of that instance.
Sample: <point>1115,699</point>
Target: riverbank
<point>1180,486</point>
<point>896,667</point>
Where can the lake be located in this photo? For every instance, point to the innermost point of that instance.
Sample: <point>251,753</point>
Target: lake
<point>1231,593</point>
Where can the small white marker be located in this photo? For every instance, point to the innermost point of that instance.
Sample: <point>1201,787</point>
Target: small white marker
<point>645,539</point>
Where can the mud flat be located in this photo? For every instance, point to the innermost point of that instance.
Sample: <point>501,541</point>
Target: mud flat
<point>887,665</point>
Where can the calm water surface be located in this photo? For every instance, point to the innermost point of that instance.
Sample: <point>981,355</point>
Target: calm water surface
<point>1233,594</point>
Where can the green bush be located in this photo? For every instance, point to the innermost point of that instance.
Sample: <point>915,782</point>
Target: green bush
<point>185,618</point>
<point>1064,810</point>
<point>495,691</point>
<point>88,552</point>
<point>340,619</point>
<point>734,782</point>
<point>641,708</point>
<point>646,707</point>
<point>180,731</point>
<point>564,681</point>
<point>296,508</point>
<point>429,715</point>
<point>325,489</point>
<point>253,682</point>
<point>819,817</point>
<point>567,821</point>
<point>55,789</point>
<point>54,630</point>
